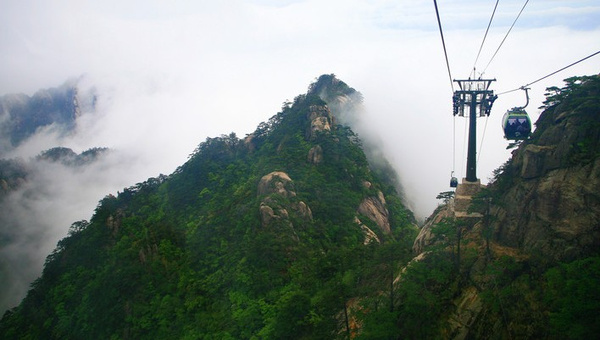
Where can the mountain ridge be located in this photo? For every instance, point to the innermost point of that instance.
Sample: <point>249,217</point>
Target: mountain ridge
<point>266,236</point>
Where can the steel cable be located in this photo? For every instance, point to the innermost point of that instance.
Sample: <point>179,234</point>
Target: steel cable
<point>501,43</point>
<point>551,74</point>
<point>437,13</point>
<point>485,36</point>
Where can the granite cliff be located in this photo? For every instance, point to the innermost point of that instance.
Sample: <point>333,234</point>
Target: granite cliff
<point>538,218</point>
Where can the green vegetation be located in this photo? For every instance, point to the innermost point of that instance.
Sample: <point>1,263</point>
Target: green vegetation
<point>190,256</point>
<point>489,269</point>
<point>581,95</point>
<point>187,255</point>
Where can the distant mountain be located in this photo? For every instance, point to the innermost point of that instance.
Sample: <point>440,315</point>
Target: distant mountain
<point>15,172</point>
<point>21,115</point>
<point>32,192</point>
<point>68,157</point>
<point>289,232</point>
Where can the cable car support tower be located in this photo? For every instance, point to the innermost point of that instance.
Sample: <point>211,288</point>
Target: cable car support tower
<point>477,99</point>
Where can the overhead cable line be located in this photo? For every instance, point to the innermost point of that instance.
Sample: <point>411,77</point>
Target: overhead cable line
<point>551,74</point>
<point>482,139</point>
<point>453,144</point>
<point>437,13</point>
<point>511,27</point>
<point>485,36</point>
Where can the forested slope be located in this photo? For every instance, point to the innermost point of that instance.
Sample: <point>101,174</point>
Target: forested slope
<point>287,233</point>
<point>529,268</point>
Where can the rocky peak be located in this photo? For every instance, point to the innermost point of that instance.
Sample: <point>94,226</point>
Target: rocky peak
<point>21,115</point>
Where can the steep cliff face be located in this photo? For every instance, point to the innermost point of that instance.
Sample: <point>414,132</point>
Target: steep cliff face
<point>549,205</point>
<point>539,217</point>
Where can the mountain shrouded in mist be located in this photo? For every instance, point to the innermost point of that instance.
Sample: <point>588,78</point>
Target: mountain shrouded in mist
<point>299,231</point>
<point>21,115</point>
<point>41,194</point>
<point>267,236</point>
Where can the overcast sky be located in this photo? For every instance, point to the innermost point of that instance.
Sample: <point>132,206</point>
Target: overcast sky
<point>171,73</point>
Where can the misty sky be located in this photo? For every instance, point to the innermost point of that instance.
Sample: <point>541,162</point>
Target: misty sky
<point>171,73</point>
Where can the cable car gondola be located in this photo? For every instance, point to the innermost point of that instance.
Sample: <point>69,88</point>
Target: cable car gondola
<point>516,123</point>
<point>453,181</point>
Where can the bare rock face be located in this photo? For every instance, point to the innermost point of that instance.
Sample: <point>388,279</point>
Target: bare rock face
<point>114,221</point>
<point>280,208</point>
<point>276,182</point>
<point>556,216</point>
<point>552,207</point>
<point>375,209</point>
<point>426,236</point>
<point>534,161</point>
<point>370,235</point>
<point>315,154</point>
<point>468,306</point>
<point>320,120</point>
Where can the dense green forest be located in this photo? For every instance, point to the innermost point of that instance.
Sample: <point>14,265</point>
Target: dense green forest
<point>189,256</point>
<point>216,250</point>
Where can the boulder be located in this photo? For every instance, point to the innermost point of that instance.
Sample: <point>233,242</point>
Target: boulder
<point>276,182</point>
<point>320,119</point>
<point>280,206</point>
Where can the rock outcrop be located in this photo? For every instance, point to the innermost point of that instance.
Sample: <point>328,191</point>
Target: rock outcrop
<point>375,209</point>
<point>320,120</point>
<point>426,236</point>
<point>555,216</point>
<point>552,208</point>
<point>370,235</point>
<point>280,207</point>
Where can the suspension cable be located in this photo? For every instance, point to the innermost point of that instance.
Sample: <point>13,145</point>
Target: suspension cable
<point>453,144</point>
<point>437,13</point>
<point>551,74</point>
<point>511,27</point>
<point>482,138</point>
<point>485,36</point>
